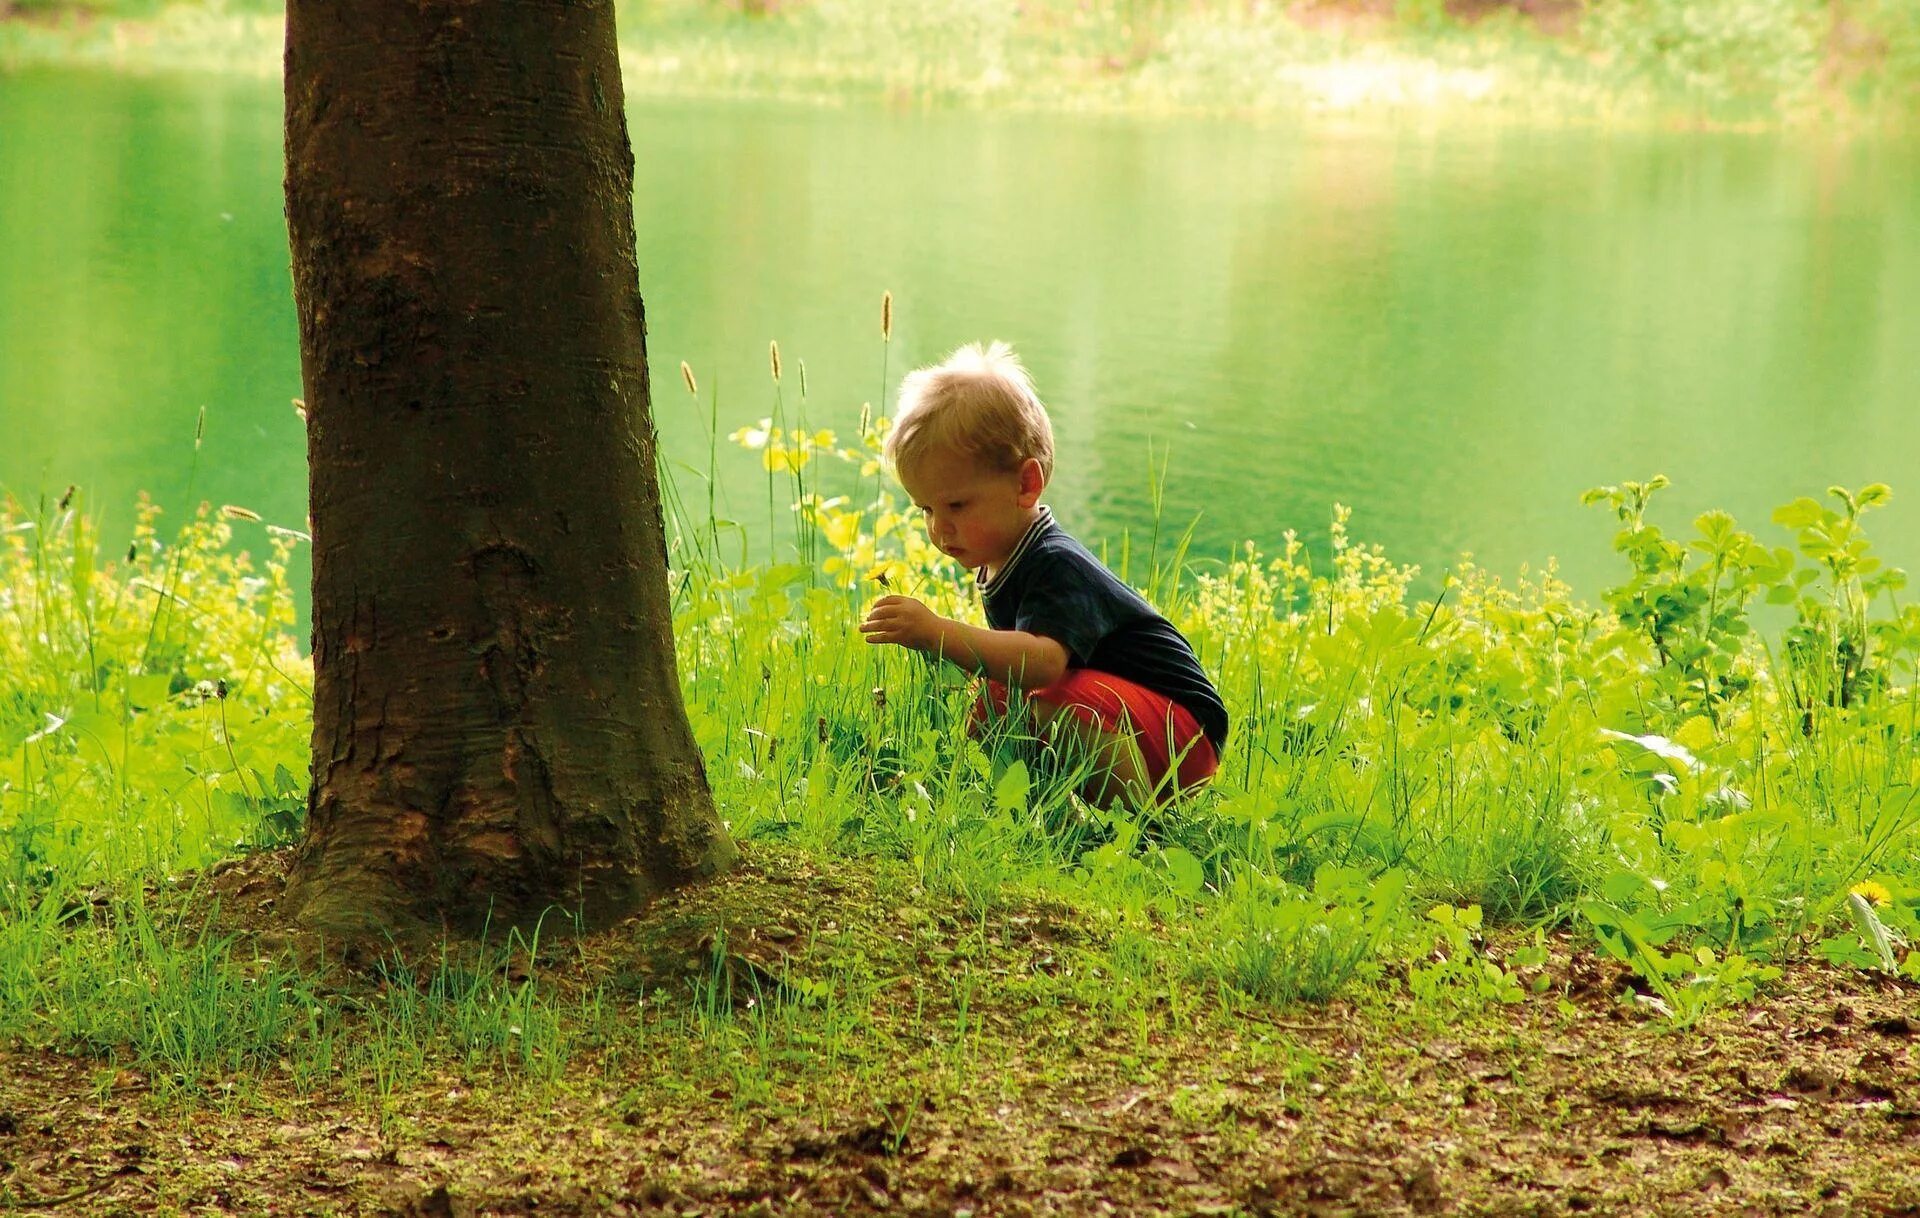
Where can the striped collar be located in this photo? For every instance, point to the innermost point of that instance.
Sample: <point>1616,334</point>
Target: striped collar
<point>1042,524</point>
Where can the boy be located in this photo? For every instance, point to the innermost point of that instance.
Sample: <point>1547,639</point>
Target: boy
<point>973,448</point>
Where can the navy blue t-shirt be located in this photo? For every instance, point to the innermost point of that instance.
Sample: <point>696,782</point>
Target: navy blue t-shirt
<point>1051,585</point>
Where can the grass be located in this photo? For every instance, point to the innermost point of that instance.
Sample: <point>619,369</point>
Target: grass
<point>1502,748</point>
<point>1495,805</point>
<point>1634,62</point>
<point>818,1034</point>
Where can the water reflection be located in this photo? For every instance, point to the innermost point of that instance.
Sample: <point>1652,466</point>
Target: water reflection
<point>1455,333</point>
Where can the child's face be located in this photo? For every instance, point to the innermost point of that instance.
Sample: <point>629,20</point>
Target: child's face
<point>973,512</point>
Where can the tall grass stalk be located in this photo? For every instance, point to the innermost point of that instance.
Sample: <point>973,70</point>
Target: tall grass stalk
<point>1656,779</point>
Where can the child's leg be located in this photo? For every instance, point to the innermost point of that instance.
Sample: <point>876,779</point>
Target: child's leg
<point>1119,771</point>
<point>1105,719</point>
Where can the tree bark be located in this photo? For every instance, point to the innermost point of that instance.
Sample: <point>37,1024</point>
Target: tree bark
<point>498,728</point>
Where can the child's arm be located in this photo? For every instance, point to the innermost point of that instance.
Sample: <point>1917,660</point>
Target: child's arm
<point>1014,657</point>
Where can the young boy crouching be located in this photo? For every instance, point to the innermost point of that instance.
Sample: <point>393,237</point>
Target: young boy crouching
<point>973,449</point>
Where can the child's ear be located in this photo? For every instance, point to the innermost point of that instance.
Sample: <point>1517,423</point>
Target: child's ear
<point>1033,480</point>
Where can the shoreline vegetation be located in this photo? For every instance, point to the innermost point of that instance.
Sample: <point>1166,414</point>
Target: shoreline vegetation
<point>1712,773</point>
<point>1742,64</point>
<point>1496,892</point>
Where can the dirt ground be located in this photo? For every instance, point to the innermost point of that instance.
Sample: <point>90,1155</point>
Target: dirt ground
<point>1806,1102</point>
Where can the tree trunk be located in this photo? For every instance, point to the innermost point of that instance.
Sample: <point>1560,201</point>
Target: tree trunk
<point>498,729</point>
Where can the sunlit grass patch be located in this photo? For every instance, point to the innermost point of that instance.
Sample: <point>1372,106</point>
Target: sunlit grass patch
<point>1507,748</point>
<point>1691,786</point>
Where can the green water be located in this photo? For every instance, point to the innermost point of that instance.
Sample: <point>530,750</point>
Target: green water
<point>1454,332</point>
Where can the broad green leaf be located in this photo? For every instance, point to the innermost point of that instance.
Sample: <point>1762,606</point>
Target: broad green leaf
<point>1696,733</point>
<point>98,736</point>
<point>148,690</point>
<point>1625,887</point>
<point>1802,513</point>
<point>1189,877</point>
<point>1010,793</point>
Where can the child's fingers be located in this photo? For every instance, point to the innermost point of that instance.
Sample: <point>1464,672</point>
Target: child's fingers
<point>891,620</point>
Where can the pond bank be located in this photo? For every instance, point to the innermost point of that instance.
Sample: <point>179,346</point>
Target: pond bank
<point>872,1050</point>
<point>1304,61</point>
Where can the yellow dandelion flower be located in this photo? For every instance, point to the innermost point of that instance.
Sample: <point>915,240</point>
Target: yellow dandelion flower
<point>1873,892</point>
<point>891,574</point>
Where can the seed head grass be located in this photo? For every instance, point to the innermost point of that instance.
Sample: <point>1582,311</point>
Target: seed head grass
<point>1405,777</point>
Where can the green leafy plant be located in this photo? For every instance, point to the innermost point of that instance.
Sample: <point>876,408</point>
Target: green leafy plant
<point>1457,975</point>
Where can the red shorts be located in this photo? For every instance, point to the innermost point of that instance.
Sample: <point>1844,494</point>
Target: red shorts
<point>1167,733</point>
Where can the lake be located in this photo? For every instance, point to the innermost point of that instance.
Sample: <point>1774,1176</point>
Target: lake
<point>1454,331</point>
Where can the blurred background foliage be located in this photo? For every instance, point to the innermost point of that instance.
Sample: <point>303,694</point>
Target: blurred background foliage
<point>1725,58</point>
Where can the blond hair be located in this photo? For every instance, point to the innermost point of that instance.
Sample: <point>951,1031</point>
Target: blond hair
<point>978,401</point>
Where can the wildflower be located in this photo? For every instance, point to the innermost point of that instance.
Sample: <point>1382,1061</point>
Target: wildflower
<point>779,458</point>
<point>752,437</point>
<point>886,317</point>
<point>234,511</point>
<point>773,356</point>
<point>1873,892</point>
<point>842,530</point>
<point>891,573</point>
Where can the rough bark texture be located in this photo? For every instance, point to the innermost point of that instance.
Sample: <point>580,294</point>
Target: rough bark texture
<point>498,727</point>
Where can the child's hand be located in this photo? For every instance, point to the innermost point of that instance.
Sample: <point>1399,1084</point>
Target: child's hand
<point>902,620</point>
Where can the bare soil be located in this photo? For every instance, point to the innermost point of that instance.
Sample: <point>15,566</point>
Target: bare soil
<point>1807,1101</point>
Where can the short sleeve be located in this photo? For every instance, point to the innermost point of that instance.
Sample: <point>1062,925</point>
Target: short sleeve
<point>1067,607</point>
